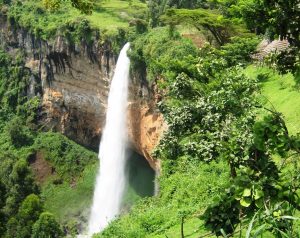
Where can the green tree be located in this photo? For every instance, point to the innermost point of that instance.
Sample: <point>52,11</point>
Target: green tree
<point>85,6</point>
<point>46,226</point>
<point>277,17</point>
<point>19,134</point>
<point>239,50</point>
<point>155,9</point>
<point>189,4</point>
<point>20,183</point>
<point>211,21</point>
<point>29,211</point>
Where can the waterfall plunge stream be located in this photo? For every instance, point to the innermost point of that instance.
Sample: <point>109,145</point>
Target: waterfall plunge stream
<point>110,181</point>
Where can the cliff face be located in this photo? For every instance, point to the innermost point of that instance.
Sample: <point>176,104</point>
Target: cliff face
<point>145,129</point>
<point>73,83</point>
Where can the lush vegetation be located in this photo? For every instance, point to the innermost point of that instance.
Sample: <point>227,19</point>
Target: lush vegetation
<point>24,199</point>
<point>230,156</point>
<point>82,5</point>
<point>47,19</point>
<point>217,114</point>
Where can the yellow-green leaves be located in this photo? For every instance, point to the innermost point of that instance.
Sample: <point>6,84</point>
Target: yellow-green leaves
<point>246,201</point>
<point>52,4</point>
<point>85,6</point>
<point>247,192</point>
<point>249,195</point>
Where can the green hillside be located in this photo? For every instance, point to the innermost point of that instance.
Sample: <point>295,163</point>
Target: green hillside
<point>230,155</point>
<point>108,17</point>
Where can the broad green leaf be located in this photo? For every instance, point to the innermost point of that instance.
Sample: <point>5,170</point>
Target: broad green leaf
<point>277,213</point>
<point>245,202</point>
<point>247,192</point>
<point>258,194</point>
<point>259,203</point>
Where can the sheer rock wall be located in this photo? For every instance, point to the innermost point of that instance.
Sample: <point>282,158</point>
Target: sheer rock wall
<point>73,81</point>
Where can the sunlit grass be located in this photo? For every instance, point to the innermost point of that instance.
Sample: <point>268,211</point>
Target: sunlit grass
<point>113,14</point>
<point>70,201</point>
<point>107,16</point>
<point>279,93</point>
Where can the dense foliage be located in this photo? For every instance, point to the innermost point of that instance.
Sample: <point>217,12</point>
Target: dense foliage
<point>278,18</point>
<point>214,115</point>
<point>86,6</point>
<point>46,226</point>
<point>220,123</point>
<point>230,163</point>
<point>164,55</point>
<point>49,19</point>
<point>21,208</point>
<point>214,23</point>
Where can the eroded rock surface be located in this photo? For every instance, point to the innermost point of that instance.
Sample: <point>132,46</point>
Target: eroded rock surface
<point>73,84</point>
<point>146,127</point>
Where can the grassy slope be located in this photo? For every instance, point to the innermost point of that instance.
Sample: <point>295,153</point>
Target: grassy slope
<point>115,13</point>
<point>191,189</point>
<point>70,201</point>
<point>68,192</point>
<point>107,16</point>
<point>279,93</point>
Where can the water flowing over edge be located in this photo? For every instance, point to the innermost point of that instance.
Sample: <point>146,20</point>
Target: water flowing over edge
<point>110,180</point>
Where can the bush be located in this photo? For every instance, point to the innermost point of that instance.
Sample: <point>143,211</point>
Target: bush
<point>68,158</point>
<point>239,50</point>
<point>288,61</point>
<point>28,213</point>
<point>46,226</point>
<point>164,55</point>
<point>19,134</point>
<point>20,183</point>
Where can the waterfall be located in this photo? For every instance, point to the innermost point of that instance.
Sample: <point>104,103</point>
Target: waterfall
<point>110,181</point>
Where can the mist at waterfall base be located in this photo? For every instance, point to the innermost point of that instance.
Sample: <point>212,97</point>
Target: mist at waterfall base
<point>110,182</point>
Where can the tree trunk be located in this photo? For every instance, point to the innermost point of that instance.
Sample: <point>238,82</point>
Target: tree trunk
<point>182,222</point>
<point>232,171</point>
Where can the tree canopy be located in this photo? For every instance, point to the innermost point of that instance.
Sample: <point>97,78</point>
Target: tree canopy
<point>277,18</point>
<point>210,20</point>
<point>46,226</point>
<point>85,6</point>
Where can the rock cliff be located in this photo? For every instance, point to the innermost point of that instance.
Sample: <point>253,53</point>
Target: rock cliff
<point>73,82</point>
<point>145,127</point>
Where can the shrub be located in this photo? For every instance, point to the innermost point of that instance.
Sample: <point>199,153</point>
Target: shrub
<point>68,158</point>
<point>164,55</point>
<point>46,226</point>
<point>28,213</point>
<point>19,134</point>
<point>239,50</point>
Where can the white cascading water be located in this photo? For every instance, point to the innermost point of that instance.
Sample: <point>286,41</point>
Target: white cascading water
<point>110,181</point>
